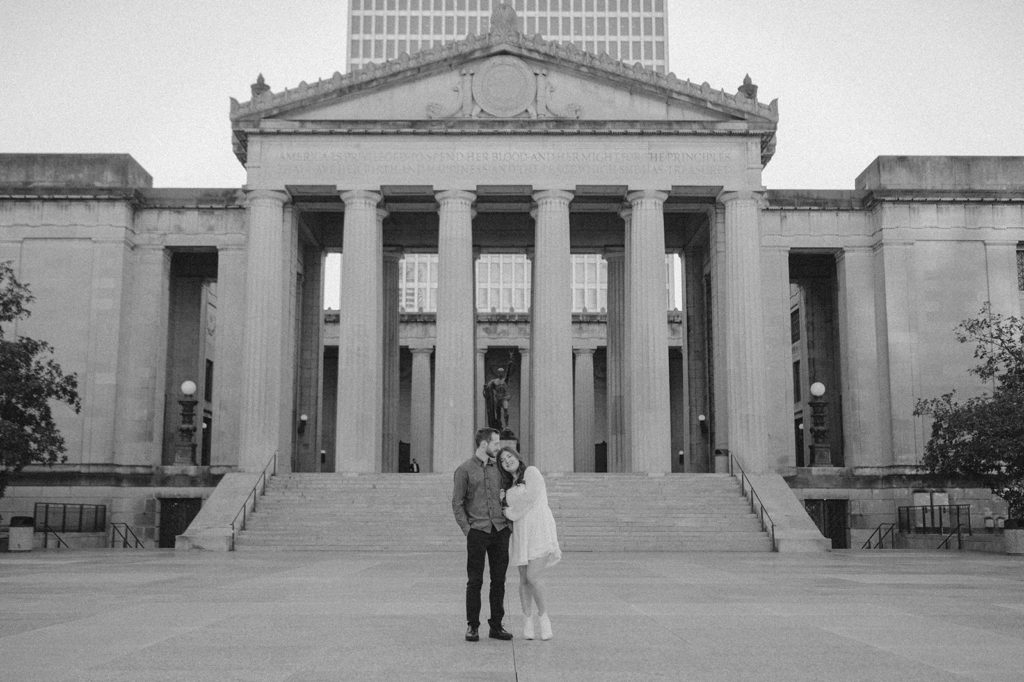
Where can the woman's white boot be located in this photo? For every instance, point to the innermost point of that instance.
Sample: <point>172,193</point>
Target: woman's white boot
<point>528,630</point>
<point>545,627</point>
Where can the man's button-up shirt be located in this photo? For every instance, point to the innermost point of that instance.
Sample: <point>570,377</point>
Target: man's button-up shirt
<point>476,498</point>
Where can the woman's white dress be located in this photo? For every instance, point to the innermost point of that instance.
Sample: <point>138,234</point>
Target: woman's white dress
<point>533,526</point>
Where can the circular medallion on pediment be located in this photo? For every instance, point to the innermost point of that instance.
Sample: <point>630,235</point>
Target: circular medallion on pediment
<point>504,87</point>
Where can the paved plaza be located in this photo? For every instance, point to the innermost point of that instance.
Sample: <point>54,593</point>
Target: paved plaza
<point>165,615</point>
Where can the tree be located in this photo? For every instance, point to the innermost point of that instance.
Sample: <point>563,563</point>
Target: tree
<point>983,437</point>
<point>29,380</point>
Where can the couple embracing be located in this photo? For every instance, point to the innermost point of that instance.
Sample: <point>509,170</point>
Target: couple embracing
<point>501,505</point>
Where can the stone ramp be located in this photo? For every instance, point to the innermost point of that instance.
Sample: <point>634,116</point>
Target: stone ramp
<point>594,513</point>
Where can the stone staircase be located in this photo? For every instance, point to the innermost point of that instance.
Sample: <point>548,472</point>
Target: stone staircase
<point>594,513</point>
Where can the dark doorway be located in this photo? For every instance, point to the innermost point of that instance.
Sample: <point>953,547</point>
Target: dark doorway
<point>601,457</point>
<point>831,517</point>
<point>814,331</point>
<point>404,450</point>
<point>176,513</point>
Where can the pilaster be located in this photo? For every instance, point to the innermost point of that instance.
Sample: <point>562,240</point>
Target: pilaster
<point>228,362</point>
<point>615,339</point>
<point>858,339</point>
<point>525,401</point>
<point>480,381</point>
<point>583,412</point>
<point>140,398</point>
<point>421,410</point>
<point>389,457</point>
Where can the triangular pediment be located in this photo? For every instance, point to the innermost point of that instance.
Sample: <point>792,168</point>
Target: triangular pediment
<point>509,81</point>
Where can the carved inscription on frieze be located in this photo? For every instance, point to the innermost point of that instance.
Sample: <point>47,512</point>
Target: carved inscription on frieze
<point>408,163</point>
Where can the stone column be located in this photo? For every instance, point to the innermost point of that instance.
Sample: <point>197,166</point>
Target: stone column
<point>583,412</point>
<point>389,415</point>
<point>421,431</point>
<point>697,363</point>
<point>646,368</point>
<point>454,359</point>
<point>615,338</point>
<point>481,379</point>
<point>228,362</point>
<point>744,331</point>
<point>551,334</point>
<point>359,422</point>
<point>525,415</point>
<point>261,393</point>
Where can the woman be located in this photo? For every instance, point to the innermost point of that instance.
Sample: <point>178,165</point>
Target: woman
<point>534,544</point>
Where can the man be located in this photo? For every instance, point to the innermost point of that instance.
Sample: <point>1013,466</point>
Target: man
<point>414,466</point>
<point>476,501</point>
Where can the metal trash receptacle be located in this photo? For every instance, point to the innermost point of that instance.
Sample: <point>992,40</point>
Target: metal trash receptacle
<point>21,533</point>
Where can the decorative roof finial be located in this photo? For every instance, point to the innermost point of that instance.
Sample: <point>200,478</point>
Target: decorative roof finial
<point>504,20</point>
<point>259,87</point>
<point>748,89</point>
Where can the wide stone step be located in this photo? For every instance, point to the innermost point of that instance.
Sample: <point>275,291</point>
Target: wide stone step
<point>594,512</point>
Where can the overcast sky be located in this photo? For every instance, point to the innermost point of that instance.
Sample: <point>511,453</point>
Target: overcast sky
<point>854,80</point>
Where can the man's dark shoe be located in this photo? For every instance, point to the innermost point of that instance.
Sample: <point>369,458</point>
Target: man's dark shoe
<point>472,634</point>
<point>499,633</point>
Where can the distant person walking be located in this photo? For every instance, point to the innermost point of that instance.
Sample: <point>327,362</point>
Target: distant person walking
<point>476,501</point>
<point>414,466</point>
<point>534,547</point>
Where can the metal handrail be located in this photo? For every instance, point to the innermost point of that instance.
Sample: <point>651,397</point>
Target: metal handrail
<point>70,518</point>
<point>252,493</point>
<point>46,534</point>
<point>746,485</point>
<point>124,530</point>
<point>934,518</point>
<point>959,538</point>
<point>881,536</point>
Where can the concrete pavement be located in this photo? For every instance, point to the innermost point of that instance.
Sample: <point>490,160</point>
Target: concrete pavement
<point>165,615</point>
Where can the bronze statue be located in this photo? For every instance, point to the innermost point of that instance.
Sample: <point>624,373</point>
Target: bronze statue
<point>496,396</point>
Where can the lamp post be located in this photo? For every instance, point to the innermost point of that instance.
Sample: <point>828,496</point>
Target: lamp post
<point>185,450</point>
<point>821,453</point>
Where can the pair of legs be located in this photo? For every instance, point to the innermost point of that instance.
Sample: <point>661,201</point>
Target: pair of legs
<point>531,586</point>
<point>493,547</point>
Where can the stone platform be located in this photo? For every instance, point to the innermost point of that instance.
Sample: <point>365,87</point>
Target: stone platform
<point>165,615</point>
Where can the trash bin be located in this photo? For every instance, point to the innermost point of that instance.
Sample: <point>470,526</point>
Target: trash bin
<point>20,536</point>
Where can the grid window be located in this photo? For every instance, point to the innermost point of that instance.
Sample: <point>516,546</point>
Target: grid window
<point>1020,267</point>
<point>417,289</point>
<point>589,283</point>
<point>503,283</point>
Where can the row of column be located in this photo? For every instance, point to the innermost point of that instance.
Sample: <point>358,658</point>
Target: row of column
<point>639,426</point>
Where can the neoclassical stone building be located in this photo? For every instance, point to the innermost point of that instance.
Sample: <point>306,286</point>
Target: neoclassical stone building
<point>506,144</point>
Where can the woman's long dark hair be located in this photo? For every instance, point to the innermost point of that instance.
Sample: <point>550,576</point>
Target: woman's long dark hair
<point>509,478</point>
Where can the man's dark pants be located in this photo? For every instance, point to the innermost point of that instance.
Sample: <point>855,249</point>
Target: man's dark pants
<point>493,546</point>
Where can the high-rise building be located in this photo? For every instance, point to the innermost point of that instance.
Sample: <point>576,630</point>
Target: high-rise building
<point>627,30</point>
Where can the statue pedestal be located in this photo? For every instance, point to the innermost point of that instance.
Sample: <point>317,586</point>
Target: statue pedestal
<point>508,439</point>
